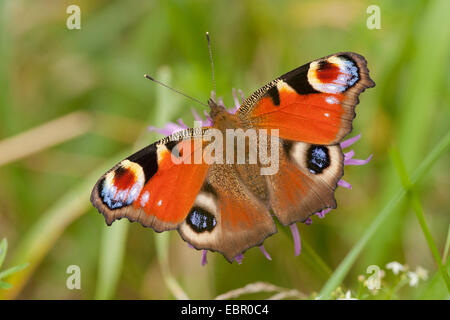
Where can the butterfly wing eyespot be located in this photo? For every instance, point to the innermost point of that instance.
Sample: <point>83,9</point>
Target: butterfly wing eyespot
<point>209,205</point>
<point>226,216</point>
<point>335,74</point>
<point>121,186</point>
<point>317,159</point>
<point>306,180</point>
<point>201,220</point>
<point>314,103</point>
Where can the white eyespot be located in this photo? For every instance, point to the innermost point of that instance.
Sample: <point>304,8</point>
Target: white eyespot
<point>348,75</point>
<point>134,192</point>
<point>331,100</point>
<point>159,203</point>
<point>331,88</point>
<point>108,193</point>
<point>342,79</point>
<point>144,198</point>
<point>121,195</point>
<point>326,115</point>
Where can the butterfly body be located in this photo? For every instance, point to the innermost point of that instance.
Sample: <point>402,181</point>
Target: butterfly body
<point>229,204</point>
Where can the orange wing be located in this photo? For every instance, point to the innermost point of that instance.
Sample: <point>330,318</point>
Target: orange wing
<point>226,216</point>
<point>306,180</point>
<point>156,186</point>
<point>314,103</point>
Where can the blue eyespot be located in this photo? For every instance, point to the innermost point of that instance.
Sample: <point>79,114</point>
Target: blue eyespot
<point>317,159</point>
<point>201,220</point>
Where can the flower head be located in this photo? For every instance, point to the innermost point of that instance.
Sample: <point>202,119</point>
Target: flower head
<point>422,273</point>
<point>396,267</point>
<point>419,274</point>
<point>413,279</point>
<point>172,127</point>
<point>347,296</point>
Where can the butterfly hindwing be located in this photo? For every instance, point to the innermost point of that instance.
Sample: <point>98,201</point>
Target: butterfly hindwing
<point>314,103</point>
<point>306,180</point>
<point>226,216</point>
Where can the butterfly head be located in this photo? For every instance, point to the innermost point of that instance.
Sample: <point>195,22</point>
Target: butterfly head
<point>216,109</point>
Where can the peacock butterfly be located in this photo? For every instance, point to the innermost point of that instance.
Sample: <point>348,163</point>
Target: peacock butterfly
<point>227,206</point>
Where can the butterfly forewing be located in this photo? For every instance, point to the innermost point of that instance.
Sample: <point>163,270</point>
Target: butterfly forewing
<point>314,103</point>
<point>150,187</point>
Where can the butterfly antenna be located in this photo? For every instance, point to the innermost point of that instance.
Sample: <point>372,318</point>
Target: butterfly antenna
<point>175,90</point>
<point>212,63</point>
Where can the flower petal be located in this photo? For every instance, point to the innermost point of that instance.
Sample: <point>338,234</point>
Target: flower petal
<point>413,279</point>
<point>197,117</point>
<point>321,214</point>
<point>349,155</point>
<point>208,122</point>
<point>241,93</point>
<point>395,266</point>
<point>181,123</point>
<point>220,102</point>
<point>235,98</point>
<point>263,250</point>
<point>296,236</point>
<point>204,261</point>
<point>169,129</point>
<point>344,184</point>
<point>357,162</point>
<point>239,258</point>
<point>347,143</point>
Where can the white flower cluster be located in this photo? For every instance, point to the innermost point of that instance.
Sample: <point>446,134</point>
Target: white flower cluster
<point>413,276</point>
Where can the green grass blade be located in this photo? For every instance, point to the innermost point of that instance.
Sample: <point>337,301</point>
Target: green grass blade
<point>435,288</point>
<point>417,207</point>
<point>10,271</point>
<point>111,259</point>
<point>315,260</point>
<point>417,106</point>
<point>310,255</point>
<point>447,247</point>
<point>344,267</point>
<point>162,249</point>
<point>5,285</point>
<point>3,250</point>
<point>36,243</point>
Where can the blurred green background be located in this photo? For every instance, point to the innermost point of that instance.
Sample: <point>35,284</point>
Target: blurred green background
<point>74,102</point>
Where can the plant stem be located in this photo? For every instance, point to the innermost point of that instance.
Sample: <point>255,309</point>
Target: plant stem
<point>310,255</point>
<point>447,247</point>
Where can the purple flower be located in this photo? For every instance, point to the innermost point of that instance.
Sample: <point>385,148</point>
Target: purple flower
<point>172,127</point>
